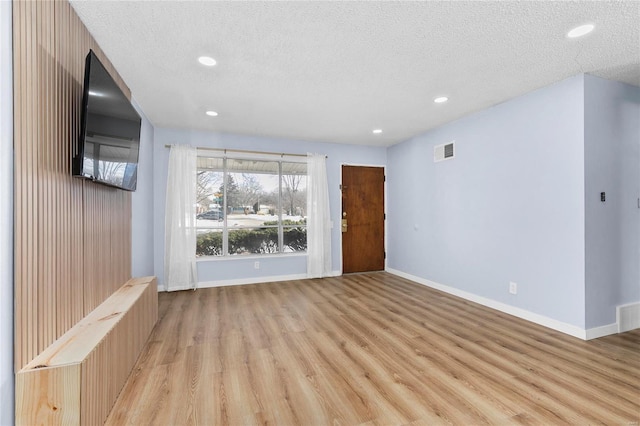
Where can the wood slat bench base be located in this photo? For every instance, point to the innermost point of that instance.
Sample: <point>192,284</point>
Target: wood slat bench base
<point>77,378</point>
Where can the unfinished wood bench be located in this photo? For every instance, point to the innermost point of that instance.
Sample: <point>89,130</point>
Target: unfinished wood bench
<point>77,379</point>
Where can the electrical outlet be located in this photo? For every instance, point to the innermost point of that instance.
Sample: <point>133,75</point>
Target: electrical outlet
<point>513,288</point>
<point>256,265</point>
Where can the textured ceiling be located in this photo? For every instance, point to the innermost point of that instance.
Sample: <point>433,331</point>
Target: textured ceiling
<point>334,71</point>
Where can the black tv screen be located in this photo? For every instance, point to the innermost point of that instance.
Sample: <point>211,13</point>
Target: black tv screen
<point>109,141</point>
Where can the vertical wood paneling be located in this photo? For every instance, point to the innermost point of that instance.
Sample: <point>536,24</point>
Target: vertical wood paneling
<point>19,320</point>
<point>29,156</point>
<point>72,237</point>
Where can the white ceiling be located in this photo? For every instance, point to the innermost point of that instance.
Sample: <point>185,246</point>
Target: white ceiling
<point>334,71</point>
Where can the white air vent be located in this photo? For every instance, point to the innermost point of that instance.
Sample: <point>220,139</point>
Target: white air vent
<point>628,317</point>
<point>443,152</point>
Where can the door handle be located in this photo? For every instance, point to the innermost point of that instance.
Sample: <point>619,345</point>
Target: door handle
<point>344,225</point>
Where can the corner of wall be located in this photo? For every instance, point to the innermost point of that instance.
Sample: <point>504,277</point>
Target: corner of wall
<point>142,235</point>
<point>6,215</point>
<point>612,170</point>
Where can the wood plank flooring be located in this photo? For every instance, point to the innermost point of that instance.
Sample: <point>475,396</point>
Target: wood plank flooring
<point>370,349</point>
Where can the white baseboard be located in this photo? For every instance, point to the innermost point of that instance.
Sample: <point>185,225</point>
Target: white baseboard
<point>255,280</point>
<point>605,330</point>
<point>560,326</point>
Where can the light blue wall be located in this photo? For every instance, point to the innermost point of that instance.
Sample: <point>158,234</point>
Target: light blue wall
<point>142,238</point>
<point>509,207</point>
<point>6,217</point>
<point>612,165</point>
<point>238,269</point>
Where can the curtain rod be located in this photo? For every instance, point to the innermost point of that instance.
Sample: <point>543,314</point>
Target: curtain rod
<point>242,151</point>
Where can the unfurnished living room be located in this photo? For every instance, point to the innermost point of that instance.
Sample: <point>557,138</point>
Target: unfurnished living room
<point>319,212</point>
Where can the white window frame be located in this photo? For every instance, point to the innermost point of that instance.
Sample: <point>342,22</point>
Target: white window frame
<point>282,158</point>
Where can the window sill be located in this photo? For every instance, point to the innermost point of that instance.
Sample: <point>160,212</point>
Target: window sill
<point>248,257</point>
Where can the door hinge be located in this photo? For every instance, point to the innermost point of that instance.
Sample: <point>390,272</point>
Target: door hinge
<point>384,178</point>
<point>385,216</point>
<point>385,254</point>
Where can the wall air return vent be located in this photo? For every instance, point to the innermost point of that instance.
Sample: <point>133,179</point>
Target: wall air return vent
<point>443,152</point>
<point>628,317</point>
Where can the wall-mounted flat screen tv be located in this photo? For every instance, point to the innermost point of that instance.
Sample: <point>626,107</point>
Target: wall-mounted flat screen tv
<point>109,142</point>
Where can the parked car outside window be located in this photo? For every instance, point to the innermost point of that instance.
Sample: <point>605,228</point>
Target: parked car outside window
<point>211,215</point>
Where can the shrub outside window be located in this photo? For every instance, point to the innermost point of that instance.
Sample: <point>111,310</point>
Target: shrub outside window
<point>250,207</point>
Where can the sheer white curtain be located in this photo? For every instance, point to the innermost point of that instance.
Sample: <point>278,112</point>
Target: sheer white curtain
<point>180,220</point>
<point>318,218</point>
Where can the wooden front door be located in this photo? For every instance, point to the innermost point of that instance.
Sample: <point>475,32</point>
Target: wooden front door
<point>363,210</point>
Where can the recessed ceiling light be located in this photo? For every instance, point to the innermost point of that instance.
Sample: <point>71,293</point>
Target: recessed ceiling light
<point>207,60</point>
<point>580,31</point>
<point>377,131</point>
<point>212,113</point>
<point>440,99</point>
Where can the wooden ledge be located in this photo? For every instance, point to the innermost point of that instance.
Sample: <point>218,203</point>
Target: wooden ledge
<point>77,343</point>
<point>78,377</point>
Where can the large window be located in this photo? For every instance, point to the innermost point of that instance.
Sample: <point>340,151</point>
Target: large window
<point>248,206</point>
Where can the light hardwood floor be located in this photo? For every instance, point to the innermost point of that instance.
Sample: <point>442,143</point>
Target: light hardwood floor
<point>370,349</point>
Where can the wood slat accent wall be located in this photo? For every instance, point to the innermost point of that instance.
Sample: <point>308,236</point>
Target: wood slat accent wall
<point>72,237</point>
